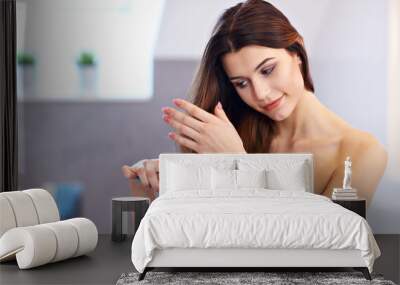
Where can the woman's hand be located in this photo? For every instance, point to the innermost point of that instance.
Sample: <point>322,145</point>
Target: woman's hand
<point>201,131</point>
<point>143,178</point>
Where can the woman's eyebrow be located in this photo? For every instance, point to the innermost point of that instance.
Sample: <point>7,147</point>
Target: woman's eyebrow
<point>255,69</point>
<point>262,62</point>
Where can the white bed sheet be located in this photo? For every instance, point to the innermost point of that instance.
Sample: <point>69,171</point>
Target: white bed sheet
<point>250,218</point>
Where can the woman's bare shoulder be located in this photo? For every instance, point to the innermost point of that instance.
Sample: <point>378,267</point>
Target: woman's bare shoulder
<point>358,141</point>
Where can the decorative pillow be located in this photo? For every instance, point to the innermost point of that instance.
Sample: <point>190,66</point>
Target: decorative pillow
<point>282,174</point>
<point>223,179</point>
<point>183,177</point>
<point>220,163</point>
<point>251,178</point>
<point>236,179</point>
<point>293,178</point>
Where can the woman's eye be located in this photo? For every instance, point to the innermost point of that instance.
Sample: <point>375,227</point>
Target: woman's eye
<point>267,71</point>
<point>241,84</point>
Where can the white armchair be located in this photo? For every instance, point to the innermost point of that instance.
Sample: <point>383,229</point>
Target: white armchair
<point>31,231</point>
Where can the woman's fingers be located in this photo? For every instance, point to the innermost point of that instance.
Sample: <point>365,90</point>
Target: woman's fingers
<point>143,177</point>
<point>194,110</point>
<point>182,128</point>
<point>147,170</point>
<point>182,140</point>
<point>189,125</point>
<point>182,118</point>
<point>125,170</point>
<point>151,169</point>
<point>153,180</point>
<point>129,172</point>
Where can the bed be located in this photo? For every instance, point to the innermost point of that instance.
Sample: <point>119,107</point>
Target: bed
<point>246,211</point>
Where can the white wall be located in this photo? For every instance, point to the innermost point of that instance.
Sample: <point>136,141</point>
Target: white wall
<point>186,27</point>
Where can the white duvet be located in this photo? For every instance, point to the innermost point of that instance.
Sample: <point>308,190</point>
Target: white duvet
<point>251,218</point>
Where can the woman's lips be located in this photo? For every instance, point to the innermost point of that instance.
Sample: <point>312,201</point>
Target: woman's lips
<point>274,104</point>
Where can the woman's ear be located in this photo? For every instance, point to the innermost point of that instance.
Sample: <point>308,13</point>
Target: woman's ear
<point>296,57</point>
<point>298,60</point>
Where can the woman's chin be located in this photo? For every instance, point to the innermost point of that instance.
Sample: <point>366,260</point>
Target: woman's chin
<point>279,115</point>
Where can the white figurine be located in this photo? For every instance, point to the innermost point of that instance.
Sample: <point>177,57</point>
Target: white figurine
<point>347,173</point>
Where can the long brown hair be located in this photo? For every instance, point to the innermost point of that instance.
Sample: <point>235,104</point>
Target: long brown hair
<point>254,22</point>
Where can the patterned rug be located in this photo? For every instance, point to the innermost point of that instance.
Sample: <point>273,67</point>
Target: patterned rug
<point>229,278</point>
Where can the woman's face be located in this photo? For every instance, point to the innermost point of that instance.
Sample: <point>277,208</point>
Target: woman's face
<point>262,75</point>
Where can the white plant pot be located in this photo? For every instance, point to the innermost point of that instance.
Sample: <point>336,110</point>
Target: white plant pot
<point>88,81</point>
<point>25,81</point>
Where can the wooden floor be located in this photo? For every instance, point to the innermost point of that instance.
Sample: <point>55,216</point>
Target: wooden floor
<point>110,260</point>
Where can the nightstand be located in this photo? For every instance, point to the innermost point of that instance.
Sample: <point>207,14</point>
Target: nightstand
<point>357,206</point>
<point>138,205</point>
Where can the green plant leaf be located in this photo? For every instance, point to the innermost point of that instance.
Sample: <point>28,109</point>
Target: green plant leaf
<point>86,59</point>
<point>24,58</point>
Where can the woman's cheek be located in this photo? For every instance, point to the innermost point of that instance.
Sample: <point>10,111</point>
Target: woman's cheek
<point>288,82</point>
<point>297,79</point>
<point>289,106</point>
<point>245,96</point>
<point>282,80</point>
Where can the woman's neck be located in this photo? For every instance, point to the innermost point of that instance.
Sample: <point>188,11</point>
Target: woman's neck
<point>310,119</point>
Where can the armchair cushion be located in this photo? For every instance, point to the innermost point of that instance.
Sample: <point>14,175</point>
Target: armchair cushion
<point>31,231</point>
<point>40,244</point>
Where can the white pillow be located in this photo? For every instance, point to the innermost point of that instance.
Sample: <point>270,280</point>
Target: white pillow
<point>223,179</point>
<point>251,178</point>
<point>236,179</point>
<point>293,178</point>
<point>282,174</point>
<point>187,177</point>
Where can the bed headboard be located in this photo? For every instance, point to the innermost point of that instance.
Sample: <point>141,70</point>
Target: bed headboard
<point>227,158</point>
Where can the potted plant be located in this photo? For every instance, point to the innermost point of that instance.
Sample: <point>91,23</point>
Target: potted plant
<point>86,59</point>
<point>87,66</point>
<point>25,74</point>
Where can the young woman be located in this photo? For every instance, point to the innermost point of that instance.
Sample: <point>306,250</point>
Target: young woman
<point>253,93</point>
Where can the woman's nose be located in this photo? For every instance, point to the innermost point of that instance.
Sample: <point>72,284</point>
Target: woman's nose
<point>261,92</point>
